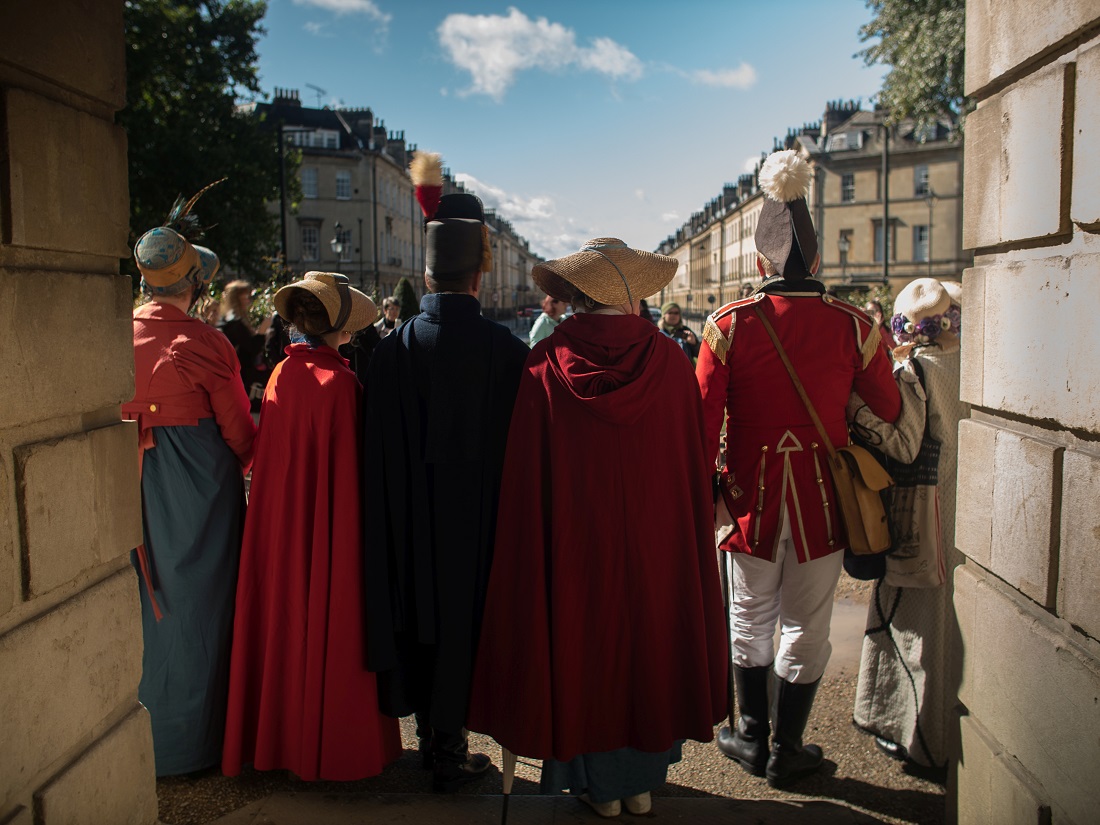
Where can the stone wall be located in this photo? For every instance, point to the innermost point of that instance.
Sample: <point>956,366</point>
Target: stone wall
<point>75,745</point>
<point>1028,598</point>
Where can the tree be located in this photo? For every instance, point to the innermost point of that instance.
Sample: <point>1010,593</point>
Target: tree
<point>404,293</point>
<point>188,62</point>
<point>924,43</point>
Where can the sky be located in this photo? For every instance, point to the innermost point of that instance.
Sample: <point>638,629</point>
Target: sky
<point>577,120</point>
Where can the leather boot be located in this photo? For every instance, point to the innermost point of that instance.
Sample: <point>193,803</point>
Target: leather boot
<point>790,760</point>
<point>453,764</point>
<point>424,740</point>
<point>748,743</point>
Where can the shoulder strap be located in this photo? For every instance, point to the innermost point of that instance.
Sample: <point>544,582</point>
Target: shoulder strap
<point>797,383</point>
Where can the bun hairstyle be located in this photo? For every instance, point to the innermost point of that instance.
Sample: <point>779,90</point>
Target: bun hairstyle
<point>307,314</point>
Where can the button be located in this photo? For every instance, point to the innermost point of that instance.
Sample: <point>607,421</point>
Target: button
<point>152,408</point>
<point>813,445</point>
<point>819,481</point>
<point>764,449</point>
<point>831,542</point>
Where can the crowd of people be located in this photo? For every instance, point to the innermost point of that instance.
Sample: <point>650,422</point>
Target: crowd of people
<point>457,525</point>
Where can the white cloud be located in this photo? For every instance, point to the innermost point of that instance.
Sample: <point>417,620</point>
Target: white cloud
<point>495,48</point>
<point>670,217</point>
<point>535,218</point>
<point>749,165</point>
<point>367,7</point>
<point>639,194</point>
<point>743,77</point>
<point>314,28</point>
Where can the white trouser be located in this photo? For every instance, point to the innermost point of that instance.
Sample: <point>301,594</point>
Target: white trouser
<point>800,596</point>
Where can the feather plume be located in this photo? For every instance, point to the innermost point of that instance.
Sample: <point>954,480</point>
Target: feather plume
<point>180,218</point>
<point>426,171</point>
<point>785,176</point>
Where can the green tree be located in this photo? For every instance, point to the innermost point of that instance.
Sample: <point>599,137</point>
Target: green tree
<point>404,293</point>
<point>188,65</point>
<point>924,43</point>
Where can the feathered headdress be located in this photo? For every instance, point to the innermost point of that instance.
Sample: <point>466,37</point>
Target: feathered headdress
<point>426,171</point>
<point>457,239</point>
<point>784,232</point>
<point>180,218</point>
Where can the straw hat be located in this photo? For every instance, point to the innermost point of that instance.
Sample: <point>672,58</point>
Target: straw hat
<point>925,314</point>
<point>954,291</point>
<point>168,261</point>
<point>348,309</point>
<point>606,270</point>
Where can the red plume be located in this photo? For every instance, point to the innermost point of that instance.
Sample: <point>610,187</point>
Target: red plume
<point>426,171</point>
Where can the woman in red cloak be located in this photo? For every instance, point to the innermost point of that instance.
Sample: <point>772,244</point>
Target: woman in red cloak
<point>300,696</point>
<point>603,642</point>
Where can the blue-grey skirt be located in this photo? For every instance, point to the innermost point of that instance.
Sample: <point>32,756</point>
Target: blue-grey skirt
<point>608,776</point>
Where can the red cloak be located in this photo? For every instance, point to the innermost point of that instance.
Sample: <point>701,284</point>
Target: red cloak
<point>300,696</point>
<point>603,625</point>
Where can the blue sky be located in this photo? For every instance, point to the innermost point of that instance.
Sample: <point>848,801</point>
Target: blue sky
<point>578,119</point>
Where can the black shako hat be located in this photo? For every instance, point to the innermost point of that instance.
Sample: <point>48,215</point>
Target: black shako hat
<point>784,232</point>
<point>454,245</point>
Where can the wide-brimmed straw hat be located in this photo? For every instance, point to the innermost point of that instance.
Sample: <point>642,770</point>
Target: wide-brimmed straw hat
<point>925,314</point>
<point>606,270</point>
<point>348,308</point>
<point>165,259</point>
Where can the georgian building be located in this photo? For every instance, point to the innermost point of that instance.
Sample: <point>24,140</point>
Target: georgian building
<point>919,200</point>
<point>357,213</point>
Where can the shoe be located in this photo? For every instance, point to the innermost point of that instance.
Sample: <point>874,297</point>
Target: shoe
<point>790,760</point>
<point>640,804</point>
<point>452,763</point>
<point>891,749</point>
<point>747,742</point>
<point>424,740</point>
<point>608,810</point>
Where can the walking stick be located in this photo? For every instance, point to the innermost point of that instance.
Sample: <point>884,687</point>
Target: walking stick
<point>508,774</point>
<point>721,533</point>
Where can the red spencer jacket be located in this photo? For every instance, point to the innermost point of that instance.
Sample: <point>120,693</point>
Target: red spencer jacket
<point>774,456</point>
<point>185,370</point>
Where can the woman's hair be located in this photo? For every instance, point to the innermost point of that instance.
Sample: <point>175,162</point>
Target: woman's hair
<point>390,302</point>
<point>583,303</point>
<point>231,296</point>
<point>308,315</point>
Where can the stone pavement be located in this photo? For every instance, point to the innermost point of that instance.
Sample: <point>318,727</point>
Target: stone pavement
<point>425,809</point>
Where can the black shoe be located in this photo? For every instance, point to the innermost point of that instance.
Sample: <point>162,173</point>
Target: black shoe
<point>891,749</point>
<point>790,760</point>
<point>750,755</point>
<point>424,740</point>
<point>453,764</point>
<point>747,742</point>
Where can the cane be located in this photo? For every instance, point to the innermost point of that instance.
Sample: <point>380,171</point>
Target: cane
<point>721,533</point>
<point>507,775</point>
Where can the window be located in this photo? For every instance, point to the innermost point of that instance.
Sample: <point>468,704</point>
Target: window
<point>920,180</point>
<point>920,243</point>
<point>893,241</point>
<point>309,183</point>
<point>847,188</point>
<point>344,237</point>
<point>343,185</point>
<point>311,243</point>
<point>331,139</point>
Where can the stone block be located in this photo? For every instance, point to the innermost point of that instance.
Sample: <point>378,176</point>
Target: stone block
<point>993,788</point>
<point>77,45</point>
<point>1079,564</point>
<point>1004,35</point>
<point>974,491</point>
<point>1014,158</point>
<point>71,668</point>
<point>68,186</point>
<point>20,816</point>
<point>1035,362</point>
<point>68,344</point>
<point>1085,208</point>
<point>973,336</point>
<point>80,503</point>
<point>1035,689</point>
<point>1024,472</point>
<point>113,781</point>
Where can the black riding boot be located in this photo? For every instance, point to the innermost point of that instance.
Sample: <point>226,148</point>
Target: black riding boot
<point>424,738</point>
<point>453,764</point>
<point>748,743</point>
<point>790,759</point>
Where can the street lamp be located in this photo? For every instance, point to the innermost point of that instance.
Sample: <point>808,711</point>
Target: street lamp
<point>843,244</point>
<point>930,199</point>
<point>337,245</point>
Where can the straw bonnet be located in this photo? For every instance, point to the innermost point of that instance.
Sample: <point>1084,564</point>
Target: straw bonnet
<point>924,314</point>
<point>348,309</point>
<point>168,262</point>
<point>954,291</point>
<point>784,231</point>
<point>607,271</point>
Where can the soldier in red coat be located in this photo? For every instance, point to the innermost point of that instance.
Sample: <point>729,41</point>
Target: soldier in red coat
<point>787,537</point>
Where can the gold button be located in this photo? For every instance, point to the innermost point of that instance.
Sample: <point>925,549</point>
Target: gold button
<point>764,448</point>
<point>819,481</point>
<point>831,542</point>
<point>152,408</point>
<point>813,445</point>
<point>825,504</point>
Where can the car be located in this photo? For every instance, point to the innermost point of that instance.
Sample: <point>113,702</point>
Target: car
<point>655,315</point>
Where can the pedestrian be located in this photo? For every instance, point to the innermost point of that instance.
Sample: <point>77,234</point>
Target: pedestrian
<point>553,313</point>
<point>390,320</point>
<point>672,325</point>
<point>440,392</point>
<point>300,696</point>
<point>247,342</point>
<point>787,536</point>
<point>906,693</point>
<point>874,309</point>
<point>195,436</point>
<point>603,642</point>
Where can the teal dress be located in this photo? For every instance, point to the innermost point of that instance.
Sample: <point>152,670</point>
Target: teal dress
<point>608,776</point>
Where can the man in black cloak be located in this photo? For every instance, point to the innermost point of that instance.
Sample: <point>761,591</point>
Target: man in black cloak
<point>439,398</point>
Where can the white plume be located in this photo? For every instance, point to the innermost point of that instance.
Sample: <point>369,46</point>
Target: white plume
<point>785,176</point>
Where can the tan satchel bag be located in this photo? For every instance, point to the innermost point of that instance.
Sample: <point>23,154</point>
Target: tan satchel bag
<point>857,478</point>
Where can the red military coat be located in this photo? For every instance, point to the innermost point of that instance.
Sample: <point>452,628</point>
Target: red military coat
<point>774,456</point>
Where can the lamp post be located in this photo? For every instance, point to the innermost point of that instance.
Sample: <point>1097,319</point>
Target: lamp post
<point>843,244</point>
<point>337,245</point>
<point>930,199</point>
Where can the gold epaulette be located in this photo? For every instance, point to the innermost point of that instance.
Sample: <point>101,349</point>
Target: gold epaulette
<point>718,341</point>
<point>868,332</point>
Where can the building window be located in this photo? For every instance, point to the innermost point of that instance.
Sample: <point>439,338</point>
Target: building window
<point>311,243</point>
<point>920,180</point>
<point>893,241</point>
<point>343,185</point>
<point>344,237</point>
<point>309,182</point>
<point>920,243</point>
<point>332,139</point>
<point>847,188</point>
